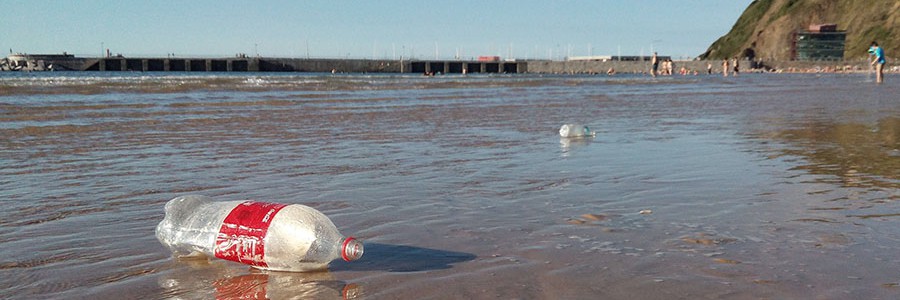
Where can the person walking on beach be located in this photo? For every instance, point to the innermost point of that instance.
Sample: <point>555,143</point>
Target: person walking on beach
<point>734,63</point>
<point>878,62</point>
<point>654,61</point>
<point>708,68</point>
<point>725,67</point>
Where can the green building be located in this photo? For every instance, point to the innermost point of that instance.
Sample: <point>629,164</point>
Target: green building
<point>821,42</point>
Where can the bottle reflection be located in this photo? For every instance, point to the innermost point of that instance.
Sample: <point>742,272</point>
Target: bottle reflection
<point>205,280</point>
<point>569,144</point>
<point>283,285</point>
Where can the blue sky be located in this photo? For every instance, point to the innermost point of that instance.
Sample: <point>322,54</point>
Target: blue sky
<point>368,29</point>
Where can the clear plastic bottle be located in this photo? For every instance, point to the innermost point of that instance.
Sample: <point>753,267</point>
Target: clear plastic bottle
<point>575,130</point>
<point>268,236</point>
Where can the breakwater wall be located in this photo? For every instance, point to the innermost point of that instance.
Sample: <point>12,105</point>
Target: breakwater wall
<point>700,66</point>
<point>263,64</point>
<point>266,64</point>
<point>595,67</point>
<point>240,65</point>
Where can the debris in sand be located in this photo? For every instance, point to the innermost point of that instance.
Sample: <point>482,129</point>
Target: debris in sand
<point>594,217</point>
<point>726,261</point>
<point>706,240</point>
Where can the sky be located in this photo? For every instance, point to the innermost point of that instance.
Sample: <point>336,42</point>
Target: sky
<point>383,29</point>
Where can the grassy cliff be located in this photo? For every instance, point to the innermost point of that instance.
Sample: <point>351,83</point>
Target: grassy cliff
<point>766,26</point>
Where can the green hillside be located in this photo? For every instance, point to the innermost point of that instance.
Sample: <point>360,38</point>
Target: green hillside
<point>766,26</point>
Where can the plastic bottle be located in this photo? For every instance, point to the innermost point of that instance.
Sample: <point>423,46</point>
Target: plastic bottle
<point>575,130</point>
<point>268,236</point>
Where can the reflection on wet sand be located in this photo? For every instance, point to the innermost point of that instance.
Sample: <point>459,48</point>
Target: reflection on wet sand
<point>215,280</point>
<point>858,154</point>
<point>861,157</point>
<point>570,144</point>
<point>201,279</point>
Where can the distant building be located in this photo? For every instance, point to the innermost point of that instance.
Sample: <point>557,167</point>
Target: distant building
<point>590,58</point>
<point>820,42</point>
<point>488,58</point>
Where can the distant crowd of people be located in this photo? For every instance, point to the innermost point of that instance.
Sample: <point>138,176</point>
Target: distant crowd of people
<point>666,67</point>
<point>735,67</point>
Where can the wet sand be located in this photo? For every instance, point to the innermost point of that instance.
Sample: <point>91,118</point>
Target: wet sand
<point>759,186</point>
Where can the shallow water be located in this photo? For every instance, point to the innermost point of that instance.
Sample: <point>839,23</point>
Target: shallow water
<point>760,186</point>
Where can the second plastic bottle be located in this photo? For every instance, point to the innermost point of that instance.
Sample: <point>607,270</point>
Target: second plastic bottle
<point>575,130</point>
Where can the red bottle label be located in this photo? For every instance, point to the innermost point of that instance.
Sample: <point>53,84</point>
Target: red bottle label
<point>242,236</point>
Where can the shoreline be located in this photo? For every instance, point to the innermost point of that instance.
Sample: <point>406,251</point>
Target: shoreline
<point>745,66</point>
<point>420,66</point>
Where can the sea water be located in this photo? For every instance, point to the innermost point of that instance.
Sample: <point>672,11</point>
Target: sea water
<point>758,186</point>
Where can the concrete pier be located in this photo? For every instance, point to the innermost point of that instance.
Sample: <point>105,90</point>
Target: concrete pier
<point>466,67</point>
<point>265,64</point>
<point>173,64</point>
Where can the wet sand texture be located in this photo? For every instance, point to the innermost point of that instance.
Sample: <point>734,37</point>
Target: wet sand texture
<point>760,186</point>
